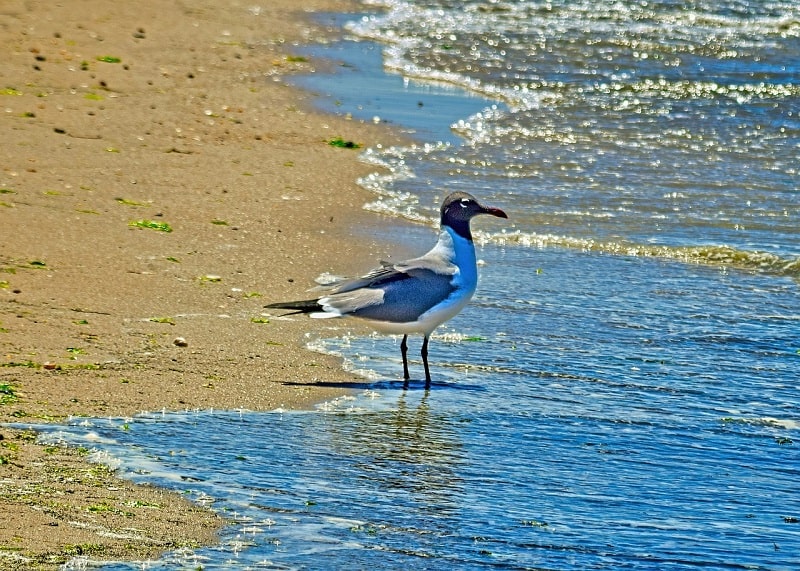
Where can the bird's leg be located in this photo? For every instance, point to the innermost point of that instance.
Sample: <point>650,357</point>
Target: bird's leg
<point>424,354</point>
<point>404,351</point>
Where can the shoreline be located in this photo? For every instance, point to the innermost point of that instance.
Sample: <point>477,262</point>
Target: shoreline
<point>162,184</point>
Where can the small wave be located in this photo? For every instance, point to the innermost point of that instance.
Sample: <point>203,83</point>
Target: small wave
<point>393,169</point>
<point>419,40</point>
<point>406,206</point>
<point>784,423</point>
<point>725,256</point>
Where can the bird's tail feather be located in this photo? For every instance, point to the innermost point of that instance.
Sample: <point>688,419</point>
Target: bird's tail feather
<point>300,306</point>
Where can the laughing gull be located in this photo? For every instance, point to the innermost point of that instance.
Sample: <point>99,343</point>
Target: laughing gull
<point>415,296</point>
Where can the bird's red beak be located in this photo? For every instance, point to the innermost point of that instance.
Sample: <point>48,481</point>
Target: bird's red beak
<point>494,212</point>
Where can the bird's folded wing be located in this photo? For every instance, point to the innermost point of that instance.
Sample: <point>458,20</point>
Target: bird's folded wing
<point>350,302</point>
<point>398,297</point>
<point>388,273</point>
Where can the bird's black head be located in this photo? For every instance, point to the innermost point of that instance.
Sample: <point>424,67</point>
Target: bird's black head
<point>459,208</point>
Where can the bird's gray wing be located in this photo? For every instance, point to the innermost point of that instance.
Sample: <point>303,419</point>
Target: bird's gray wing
<point>399,293</point>
<point>386,273</point>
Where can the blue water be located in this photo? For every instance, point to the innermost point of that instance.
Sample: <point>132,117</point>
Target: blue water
<point>623,392</point>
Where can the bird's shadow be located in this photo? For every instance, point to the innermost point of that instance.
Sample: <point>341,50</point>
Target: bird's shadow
<point>409,385</point>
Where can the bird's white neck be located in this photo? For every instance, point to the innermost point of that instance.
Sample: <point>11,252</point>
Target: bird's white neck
<point>457,250</point>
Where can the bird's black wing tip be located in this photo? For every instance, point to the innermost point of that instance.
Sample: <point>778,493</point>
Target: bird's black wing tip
<point>302,306</point>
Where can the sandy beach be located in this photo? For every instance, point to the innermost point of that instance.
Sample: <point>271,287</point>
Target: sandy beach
<point>160,184</point>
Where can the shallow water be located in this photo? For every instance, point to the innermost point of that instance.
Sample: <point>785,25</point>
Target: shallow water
<point>663,129</point>
<point>623,391</point>
<point>618,433</point>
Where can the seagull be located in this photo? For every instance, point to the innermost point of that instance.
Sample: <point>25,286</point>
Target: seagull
<point>414,296</point>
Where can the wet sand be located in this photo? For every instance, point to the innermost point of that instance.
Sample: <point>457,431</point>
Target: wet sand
<point>160,184</point>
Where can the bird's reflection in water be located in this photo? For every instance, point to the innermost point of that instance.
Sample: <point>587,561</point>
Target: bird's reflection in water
<point>412,452</point>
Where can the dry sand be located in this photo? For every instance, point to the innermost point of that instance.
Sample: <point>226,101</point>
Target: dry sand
<point>119,113</point>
